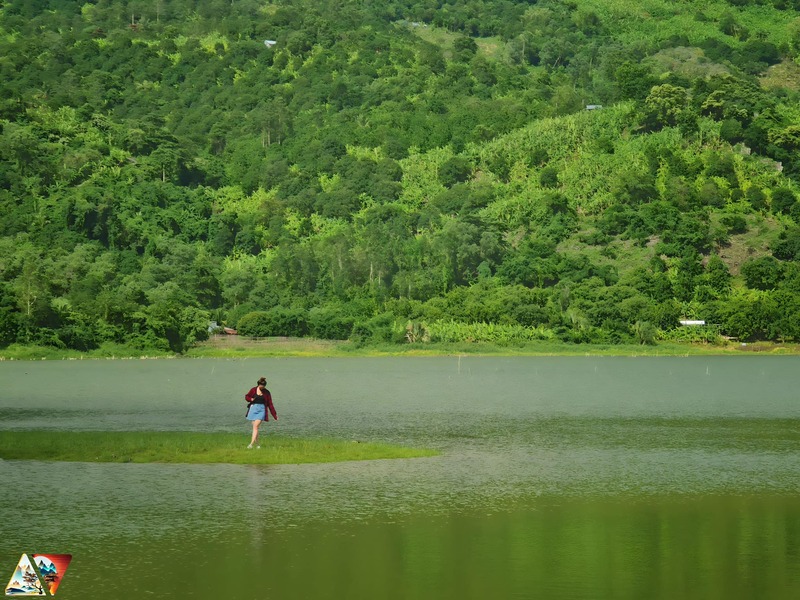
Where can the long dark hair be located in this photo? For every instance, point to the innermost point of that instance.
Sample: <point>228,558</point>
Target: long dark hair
<point>262,381</point>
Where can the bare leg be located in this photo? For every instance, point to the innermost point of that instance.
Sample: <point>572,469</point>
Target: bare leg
<point>254,438</point>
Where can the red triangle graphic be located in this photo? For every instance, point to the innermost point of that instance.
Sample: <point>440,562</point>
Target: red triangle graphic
<point>52,567</point>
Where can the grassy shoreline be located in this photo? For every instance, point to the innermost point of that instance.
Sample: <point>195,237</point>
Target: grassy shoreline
<point>191,448</point>
<point>305,347</point>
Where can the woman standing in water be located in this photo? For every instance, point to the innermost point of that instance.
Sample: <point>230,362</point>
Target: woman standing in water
<point>258,401</point>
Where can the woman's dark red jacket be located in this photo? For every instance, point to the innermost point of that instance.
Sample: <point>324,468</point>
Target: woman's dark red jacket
<point>252,396</point>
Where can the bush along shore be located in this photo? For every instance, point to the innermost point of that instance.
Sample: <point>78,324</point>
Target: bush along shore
<point>191,447</point>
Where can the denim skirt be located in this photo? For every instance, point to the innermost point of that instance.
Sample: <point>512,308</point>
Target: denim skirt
<point>258,412</point>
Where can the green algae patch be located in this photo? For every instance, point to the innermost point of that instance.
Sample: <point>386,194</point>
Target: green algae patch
<point>190,447</point>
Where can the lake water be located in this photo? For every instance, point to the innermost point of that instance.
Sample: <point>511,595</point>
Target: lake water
<point>558,478</point>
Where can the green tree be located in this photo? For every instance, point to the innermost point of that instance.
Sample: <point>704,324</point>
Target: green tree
<point>454,170</point>
<point>756,197</point>
<point>718,275</point>
<point>783,200</point>
<point>464,48</point>
<point>763,273</point>
<point>787,246</point>
<point>664,105</point>
<point>634,81</point>
<point>170,315</point>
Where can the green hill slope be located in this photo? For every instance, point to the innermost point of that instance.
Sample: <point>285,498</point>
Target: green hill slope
<point>467,170</point>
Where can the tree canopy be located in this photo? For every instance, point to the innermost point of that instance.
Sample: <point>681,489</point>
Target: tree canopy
<point>453,170</point>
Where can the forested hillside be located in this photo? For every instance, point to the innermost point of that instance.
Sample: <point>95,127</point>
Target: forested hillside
<point>453,170</point>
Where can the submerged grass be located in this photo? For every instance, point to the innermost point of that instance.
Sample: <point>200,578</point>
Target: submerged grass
<point>189,447</point>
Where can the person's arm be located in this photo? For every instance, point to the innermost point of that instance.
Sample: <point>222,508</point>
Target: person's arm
<point>249,395</point>
<point>270,405</point>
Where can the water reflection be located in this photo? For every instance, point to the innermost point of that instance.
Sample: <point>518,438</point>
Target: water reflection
<point>559,478</point>
<point>686,547</point>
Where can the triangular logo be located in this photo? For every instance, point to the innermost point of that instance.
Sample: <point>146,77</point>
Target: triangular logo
<point>52,568</point>
<point>24,581</point>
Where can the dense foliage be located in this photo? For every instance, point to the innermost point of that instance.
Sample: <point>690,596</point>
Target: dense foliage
<point>398,171</point>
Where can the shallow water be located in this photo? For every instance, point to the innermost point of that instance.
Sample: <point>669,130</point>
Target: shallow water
<point>558,478</point>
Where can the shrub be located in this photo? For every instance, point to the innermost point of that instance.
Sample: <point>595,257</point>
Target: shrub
<point>788,245</point>
<point>763,273</point>
<point>454,170</point>
<point>275,322</point>
<point>731,131</point>
<point>451,331</point>
<point>706,334</point>
<point>548,178</point>
<point>254,324</point>
<point>783,200</point>
<point>595,238</point>
<point>380,328</point>
<point>756,197</point>
<point>734,223</point>
<point>289,321</point>
<point>328,324</point>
